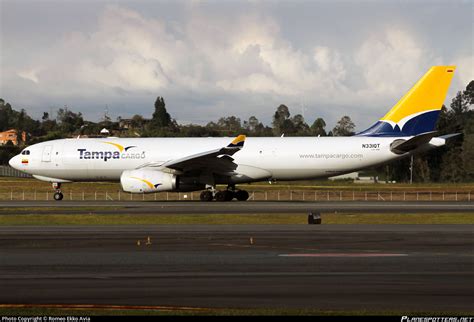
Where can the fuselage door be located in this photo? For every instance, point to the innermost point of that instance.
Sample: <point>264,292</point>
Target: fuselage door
<point>47,153</point>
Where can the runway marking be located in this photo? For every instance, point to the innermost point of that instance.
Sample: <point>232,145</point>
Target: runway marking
<point>374,254</point>
<point>344,255</point>
<point>263,246</point>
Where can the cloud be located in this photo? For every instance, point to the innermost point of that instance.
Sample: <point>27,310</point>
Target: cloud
<point>30,74</point>
<point>390,61</point>
<point>209,65</point>
<point>465,70</point>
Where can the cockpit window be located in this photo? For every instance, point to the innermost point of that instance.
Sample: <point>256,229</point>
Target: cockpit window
<point>25,152</point>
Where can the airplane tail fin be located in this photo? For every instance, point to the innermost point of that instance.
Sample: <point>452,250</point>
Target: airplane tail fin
<point>418,110</point>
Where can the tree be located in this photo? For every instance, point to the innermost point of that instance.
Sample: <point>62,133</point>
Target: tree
<point>252,125</point>
<point>468,154</point>
<point>47,124</point>
<point>344,127</point>
<point>288,127</point>
<point>69,122</point>
<point>161,123</point>
<point>256,128</point>
<point>399,170</point>
<point>6,115</point>
<point>280,120</point>
<point>469,92</point>
<point>421,169</point>
<point>20,126</point>
<point>460,103</point>
<point>299,125</point>
<point>161,118</point>
<point>230,124</point>
<point>8,151</point>
<point>137,121</point>
<point>452,169</point>
<point>318,127</point>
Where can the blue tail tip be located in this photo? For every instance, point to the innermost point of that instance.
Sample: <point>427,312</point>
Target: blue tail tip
<point>421,123</point>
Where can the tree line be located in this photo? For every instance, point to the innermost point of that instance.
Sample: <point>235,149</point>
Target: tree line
<point>68,123</point>
<point>452,163</point>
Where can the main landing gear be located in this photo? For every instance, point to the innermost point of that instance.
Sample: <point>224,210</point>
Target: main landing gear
<point>224,195</point>
<point>58,195</point>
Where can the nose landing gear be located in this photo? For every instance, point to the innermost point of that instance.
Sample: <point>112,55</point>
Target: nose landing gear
<point>58,195</point>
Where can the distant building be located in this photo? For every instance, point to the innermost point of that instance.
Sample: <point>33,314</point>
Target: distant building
<point>104,131</point>
<point>126,124</point>
<point>11,135</point>
<point>133,123</point>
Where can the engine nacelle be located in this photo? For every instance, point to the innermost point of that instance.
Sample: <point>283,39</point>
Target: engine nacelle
<point>147,181</point>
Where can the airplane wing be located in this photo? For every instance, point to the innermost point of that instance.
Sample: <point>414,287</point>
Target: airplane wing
<point>218,160</point>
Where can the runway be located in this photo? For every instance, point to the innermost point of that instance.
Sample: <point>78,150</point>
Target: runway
<point>327,267</point>
<point>235,207</point>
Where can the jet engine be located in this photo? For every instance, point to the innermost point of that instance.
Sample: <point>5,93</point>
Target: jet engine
<point>147,181</point>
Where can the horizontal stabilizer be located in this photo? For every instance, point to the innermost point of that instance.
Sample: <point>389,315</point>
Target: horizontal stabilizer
<point>449,136</point>
<point>401,146</point>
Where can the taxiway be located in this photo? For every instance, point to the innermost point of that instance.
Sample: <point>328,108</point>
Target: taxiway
<point>327,267</point>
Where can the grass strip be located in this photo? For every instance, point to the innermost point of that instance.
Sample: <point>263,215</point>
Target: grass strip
<point>233,219</point>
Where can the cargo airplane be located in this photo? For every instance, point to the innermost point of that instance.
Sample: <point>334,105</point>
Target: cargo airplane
<point>150,165</point>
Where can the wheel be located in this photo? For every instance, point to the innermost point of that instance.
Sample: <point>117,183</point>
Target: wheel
<point>224,195</point>
<point>220,195</point>
<point>228,195</point>
<point>58,196</point>
<point>241,195</point>
<point>206,195</point>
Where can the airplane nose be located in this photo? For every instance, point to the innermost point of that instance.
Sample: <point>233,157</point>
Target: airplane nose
<point>14,162</point>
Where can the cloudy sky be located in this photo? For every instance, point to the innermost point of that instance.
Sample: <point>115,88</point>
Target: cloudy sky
<point>217,58</point>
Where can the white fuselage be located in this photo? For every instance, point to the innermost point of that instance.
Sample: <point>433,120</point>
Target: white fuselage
<point>279,158</point>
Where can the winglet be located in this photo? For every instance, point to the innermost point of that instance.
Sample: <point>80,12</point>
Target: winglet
<point>238,142</point>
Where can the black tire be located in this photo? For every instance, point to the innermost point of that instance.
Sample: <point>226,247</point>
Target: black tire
<point>241,195</point>
<point>228,195</point>
<point>206,195</point>
<point>58,196</point>
<point>221,195</point>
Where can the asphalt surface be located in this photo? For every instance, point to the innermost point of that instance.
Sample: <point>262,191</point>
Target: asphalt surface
<point>327,267</point>
<point>249,207</point>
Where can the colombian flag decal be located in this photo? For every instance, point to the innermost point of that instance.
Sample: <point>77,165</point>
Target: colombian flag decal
<point>24,161</point>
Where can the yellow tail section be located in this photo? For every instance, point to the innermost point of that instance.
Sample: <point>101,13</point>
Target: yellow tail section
<point>428,94</point>
<point>417,112</point>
